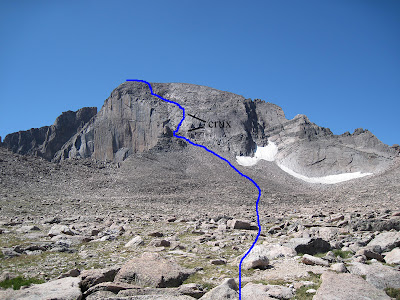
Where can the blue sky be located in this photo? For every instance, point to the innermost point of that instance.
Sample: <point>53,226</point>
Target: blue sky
<point>336,61</point>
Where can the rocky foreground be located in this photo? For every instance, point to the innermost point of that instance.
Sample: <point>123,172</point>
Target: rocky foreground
<point>301,256</point>
<point>94,230</point>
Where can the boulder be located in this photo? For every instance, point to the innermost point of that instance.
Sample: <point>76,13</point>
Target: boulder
<point>308,245</point>
<point>312,260</point>
<point>339,267</point>
<point>280,292</point>
<point>156,234</point>
<point>328,233</point>
<point>113,287</point>
<point>386,240</point>
<point>159,243</point>
<point>237,224</point>
<point>149,293</point>
<point>257,258</point>
<point>376,225</point>
<point>266,292</point>
<point>379,275</point>
<point>335,218</point>
<point>347,286</point>
<point>70,273</point>
<point>93,277</point>
<point>278,251</point>
<point>10,252</point>
<point>393,257</point>
<point>255,291</point>
<point>102,295</point>
<point>218,261</point>
<point>28,228</point>
<point>60,229</point>
<point>192,289</point>
<point>226,290</point>
<point>135,242</point>
<point>60,289</point>
<point>369,254</point>
<point>154,271</point>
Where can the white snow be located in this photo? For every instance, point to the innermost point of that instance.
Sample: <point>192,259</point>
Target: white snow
<point>267,153</point>
<point>330,179</point>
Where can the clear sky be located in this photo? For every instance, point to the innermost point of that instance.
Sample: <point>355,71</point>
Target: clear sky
<point>336,61</point>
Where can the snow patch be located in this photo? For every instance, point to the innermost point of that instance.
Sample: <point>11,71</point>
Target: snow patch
<point>267,153</point>
<point>330,179</point>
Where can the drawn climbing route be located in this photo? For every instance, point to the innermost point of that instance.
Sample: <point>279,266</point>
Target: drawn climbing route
<point>225,160</point>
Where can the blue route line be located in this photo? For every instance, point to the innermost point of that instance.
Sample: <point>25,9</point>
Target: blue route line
<point>224,159</point>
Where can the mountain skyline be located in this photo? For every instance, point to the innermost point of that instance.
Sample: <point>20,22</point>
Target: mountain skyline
<point>335,62</point>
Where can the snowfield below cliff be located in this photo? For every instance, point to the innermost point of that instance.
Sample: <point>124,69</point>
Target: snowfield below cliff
<point>269,152</point>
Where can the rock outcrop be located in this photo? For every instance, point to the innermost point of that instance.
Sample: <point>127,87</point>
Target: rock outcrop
<point>47,140</point>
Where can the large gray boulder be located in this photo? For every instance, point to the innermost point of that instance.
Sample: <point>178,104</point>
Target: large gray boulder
<point>60,289</point>
<point>135,242</point>
<point>102,295</point>
<point>279,251</point>
<point>308,245</point>
<point>347,286</point>
<point>386,240</point>
<point>257,258</point>
<point>153,271</point>
<point>266,292</point>
<point>393,257</point>
<point>94,277</point>
<point>379,275</point>
<point>59,229</point>
<point>226,290</point>
<point>238,224</point>
<point>312,260</point>
<point>255,291</point>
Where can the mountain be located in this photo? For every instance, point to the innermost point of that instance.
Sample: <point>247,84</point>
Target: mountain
<point>47,140</point>
<point>132,120</point>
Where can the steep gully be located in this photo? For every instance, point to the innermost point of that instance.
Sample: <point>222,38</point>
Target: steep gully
<point>225,160</point>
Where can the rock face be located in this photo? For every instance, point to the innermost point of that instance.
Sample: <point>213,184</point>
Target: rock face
<point>47,140</point>
<point>133,120</point>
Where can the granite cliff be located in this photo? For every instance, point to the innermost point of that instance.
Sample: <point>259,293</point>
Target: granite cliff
<point>47,140</point>
<point>134,121</point>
